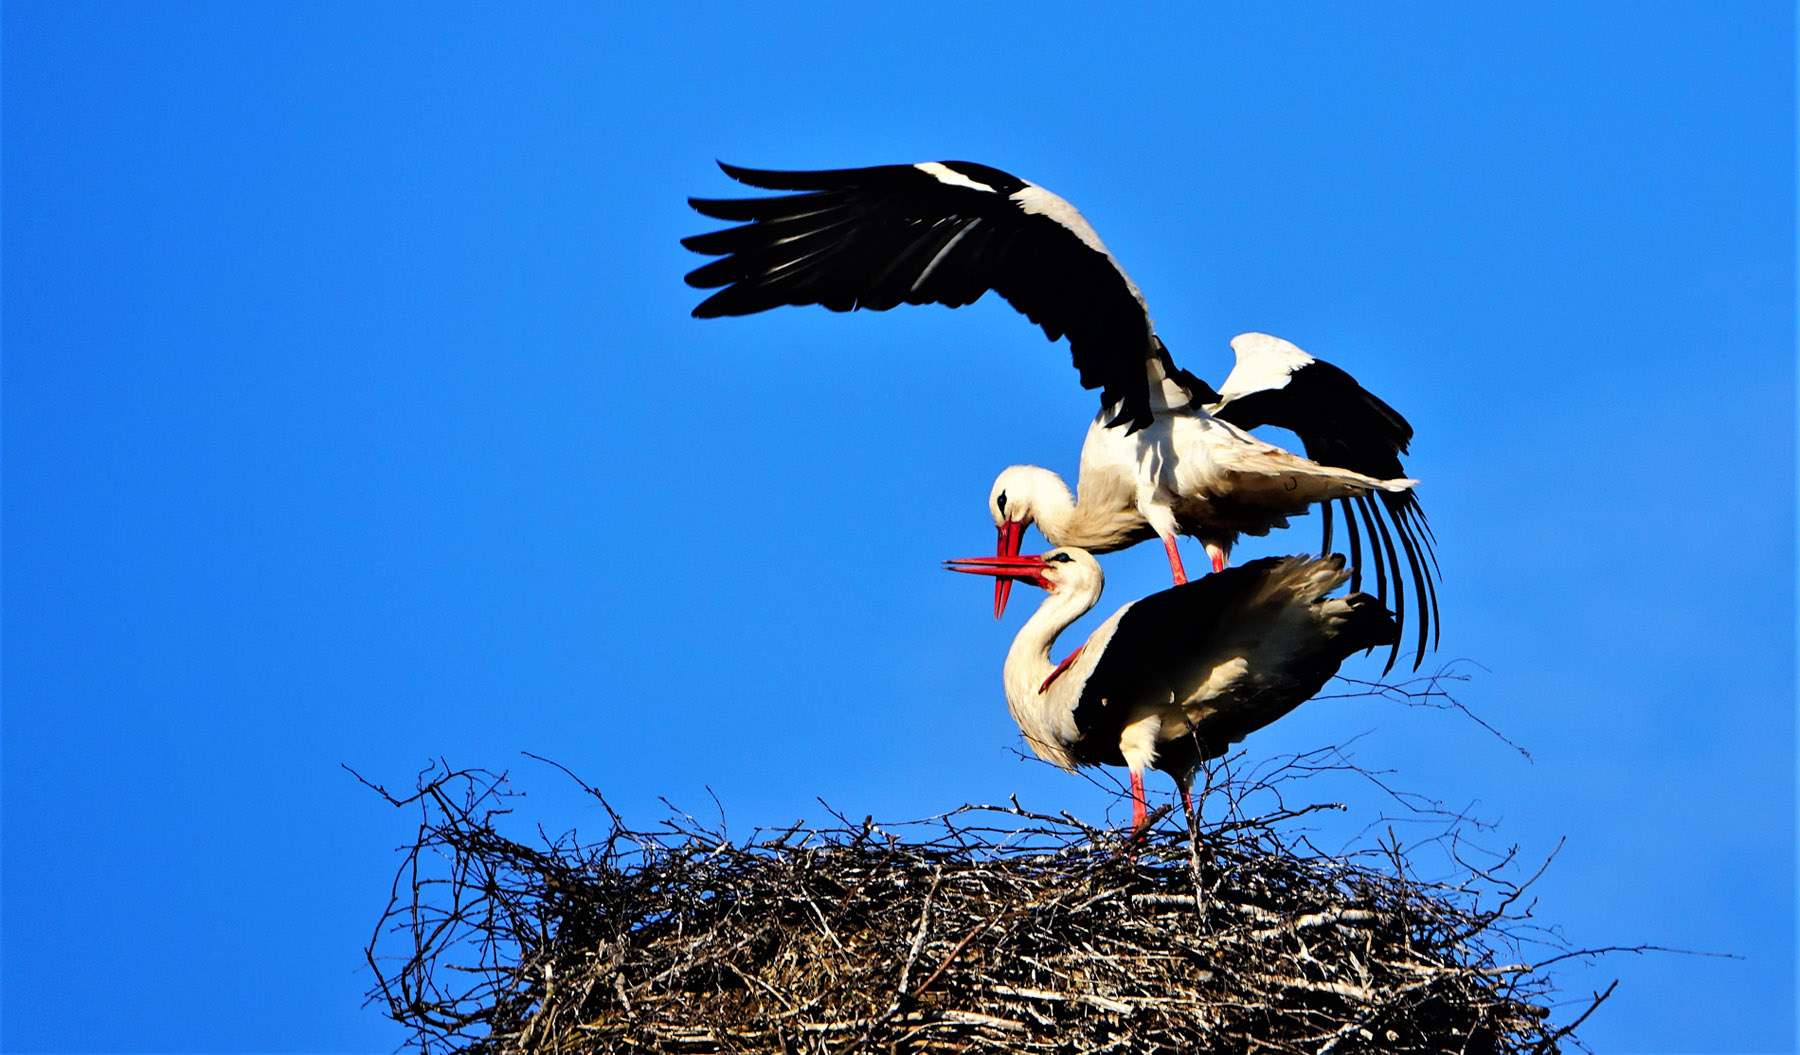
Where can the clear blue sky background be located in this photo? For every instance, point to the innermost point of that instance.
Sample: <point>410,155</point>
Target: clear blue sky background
<point>353,414</point>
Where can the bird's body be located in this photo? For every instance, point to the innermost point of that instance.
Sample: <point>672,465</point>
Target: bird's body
<point>1188,473</point>
<point>1167,455</point>
<point>1176,678</point>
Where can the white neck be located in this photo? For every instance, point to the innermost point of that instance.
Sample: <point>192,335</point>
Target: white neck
<point>1028,663</point>
<point>1052,507</point>
<point>1105,519</point>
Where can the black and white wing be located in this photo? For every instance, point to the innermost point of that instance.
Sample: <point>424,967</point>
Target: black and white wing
<point>1181,645</point>
<point>1160,651</point>
<point>1345,426</point>
<point>1150,655</point>
<point>935,233</point>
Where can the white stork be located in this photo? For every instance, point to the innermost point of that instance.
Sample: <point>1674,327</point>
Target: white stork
<point>947,232</point>
<point>1176,678</point>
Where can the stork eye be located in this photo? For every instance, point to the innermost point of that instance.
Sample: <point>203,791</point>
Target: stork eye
<point>1001,502</point>
<point>1061,558</point>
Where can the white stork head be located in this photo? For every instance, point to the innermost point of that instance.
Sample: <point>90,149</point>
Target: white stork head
<point>1023,495</point>
<point>1066,571</point>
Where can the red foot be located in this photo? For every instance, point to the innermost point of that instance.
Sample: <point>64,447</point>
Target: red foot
<point>1060,667</point>
<point>1217,555</point>
<point>1140,813</point>
<point>1174,559</point>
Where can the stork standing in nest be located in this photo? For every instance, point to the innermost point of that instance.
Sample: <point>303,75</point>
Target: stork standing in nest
<point>1176,678</point>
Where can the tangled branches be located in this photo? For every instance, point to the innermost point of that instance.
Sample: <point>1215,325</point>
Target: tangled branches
<point>991,928</point>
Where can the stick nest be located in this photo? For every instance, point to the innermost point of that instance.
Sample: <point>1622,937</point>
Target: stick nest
<point>988,929</point>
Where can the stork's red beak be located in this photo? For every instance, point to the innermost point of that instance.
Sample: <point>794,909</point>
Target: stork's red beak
<point>1008,569</point>
<point>1012,533</point>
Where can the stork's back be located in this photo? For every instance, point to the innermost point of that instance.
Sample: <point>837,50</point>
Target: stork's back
<point>1241,648</point>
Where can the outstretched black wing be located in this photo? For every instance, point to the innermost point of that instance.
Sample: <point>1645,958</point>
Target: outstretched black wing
<point>1345,426</point>
<point>931,233</point>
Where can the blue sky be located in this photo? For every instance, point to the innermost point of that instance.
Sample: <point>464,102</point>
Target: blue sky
<point>353,414</point>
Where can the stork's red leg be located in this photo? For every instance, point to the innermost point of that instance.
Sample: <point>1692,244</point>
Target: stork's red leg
<point>1175,559</point>
<point>1217,555</point>
<point>1140,812</point>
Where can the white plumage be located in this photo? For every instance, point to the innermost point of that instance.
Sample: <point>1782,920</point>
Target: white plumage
<point>1167,455</point>
<point>1176,678</point>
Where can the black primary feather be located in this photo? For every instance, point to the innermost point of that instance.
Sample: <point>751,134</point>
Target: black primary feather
<point>1343,425</point>
<point>873,238</point>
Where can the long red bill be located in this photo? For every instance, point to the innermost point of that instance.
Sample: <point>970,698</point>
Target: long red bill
<point>1012,533</point>
<point>1008,569</point>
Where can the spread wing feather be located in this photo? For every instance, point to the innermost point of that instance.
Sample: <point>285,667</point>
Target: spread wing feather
<point>933,233</point>
<point>1344,425</point>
